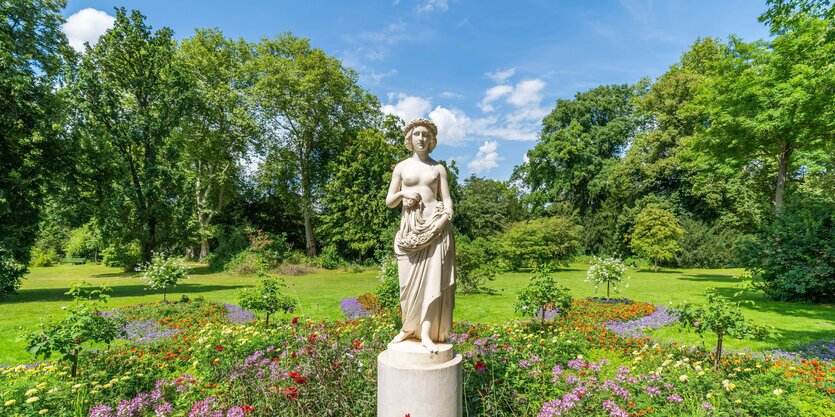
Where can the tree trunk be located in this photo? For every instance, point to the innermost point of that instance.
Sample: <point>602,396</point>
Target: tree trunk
<point>782,177</point>
<point>307,209</point>
<point>607,290</point>
<point>204,247</point>
<point>74,371</point>
<point>718,351</point>
<point>267,324</point>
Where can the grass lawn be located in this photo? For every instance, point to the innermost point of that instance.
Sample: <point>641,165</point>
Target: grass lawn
<point>42,295</point>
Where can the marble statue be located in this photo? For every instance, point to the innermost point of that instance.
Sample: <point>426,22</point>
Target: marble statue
<point>424,244</point>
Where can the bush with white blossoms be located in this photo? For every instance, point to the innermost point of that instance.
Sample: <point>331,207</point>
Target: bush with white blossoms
<point>163,272</point>
<point>609,271</point>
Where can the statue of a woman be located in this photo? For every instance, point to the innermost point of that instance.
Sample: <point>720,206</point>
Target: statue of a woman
<point>424,246</point>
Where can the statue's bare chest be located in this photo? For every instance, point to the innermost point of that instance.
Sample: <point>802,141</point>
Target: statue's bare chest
<point>419,175</point>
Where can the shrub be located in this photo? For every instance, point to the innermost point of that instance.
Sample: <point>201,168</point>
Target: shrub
<point>163,272</point>
<point>83,242</point>
<point>656,235</point>
<point>248,262</point>
<point>11,273</point>
<point>83,324</point>
<point>266,297</point>
<point>122,255</point>
<point>476,263</point>
<point>41,257</point>
<point>388,291</point>
<point>609,271</point>
<point>328,258</point>
<point>542,294</point>
<point>546,240</point>
<point>705,246</point>
<point>230,242</point>
<point>795,257</point>
<point>720,317</point>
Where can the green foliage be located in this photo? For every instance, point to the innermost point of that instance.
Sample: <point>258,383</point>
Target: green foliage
<point>609,271</point>
<point>486,207</point>
<point>795,257</point>
<point>83,324</point>
<point>355,218</point>
<point>541,241</point>
<point>476,263</point>
<point>41,257</point>
<point>163,272</point>
<point>124,123</point>
<point>315,103</point>
<point>248,262</point>
<point>329,258</point>
<point>230,241</point>
<point>388,291</point>
<point>580,140</point>
<point>122,255</point>
<point>721,317</point>
<point>705,246</point>
<point>542,294</point>
<point>33,52</point>
<point>266,297</point>
<point>656,235</point>
<point>83,242</point>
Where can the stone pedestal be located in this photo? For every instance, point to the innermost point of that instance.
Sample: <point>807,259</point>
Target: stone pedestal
<point>412,381</point>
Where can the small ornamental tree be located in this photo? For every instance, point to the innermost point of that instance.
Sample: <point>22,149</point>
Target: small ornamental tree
<point>543,293</point>
<point>266,297</point>
<point>84,323</point>
<point>551,240</point>
<point>609,271</point>
<point>721,317</point>
<point>388,292</point>
<point>163,273</point>
<point>656,235</point>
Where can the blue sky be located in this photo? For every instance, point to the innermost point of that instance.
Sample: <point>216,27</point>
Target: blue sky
<point>485,71</point>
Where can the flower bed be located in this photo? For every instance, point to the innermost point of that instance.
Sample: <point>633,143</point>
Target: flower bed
<point>221,363</point>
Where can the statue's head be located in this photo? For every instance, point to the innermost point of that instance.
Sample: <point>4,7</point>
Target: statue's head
<point>421,127</point>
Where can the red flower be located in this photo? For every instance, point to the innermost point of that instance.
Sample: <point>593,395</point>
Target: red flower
<point>219,348</point>
<point>357,344</point>
<point>248,408</point>
<point>291,393</point>
<point>295,320</point>
<point>311,338</point>
<point>298,378</point>
<point>480,366</point>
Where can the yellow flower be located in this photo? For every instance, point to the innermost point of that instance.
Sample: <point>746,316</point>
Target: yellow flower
<point>43,411</point>
<point>683,378</point>
<point>9,402</point>
<point>701,373</point>
<point>32,400</point>
<point>31,392</point>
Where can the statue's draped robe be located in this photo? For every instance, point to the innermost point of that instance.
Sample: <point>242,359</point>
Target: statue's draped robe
<point>426,268</point>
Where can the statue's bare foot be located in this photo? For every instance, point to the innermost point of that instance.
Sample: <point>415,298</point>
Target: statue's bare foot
<point>429,345</point>
<point>400,337</point>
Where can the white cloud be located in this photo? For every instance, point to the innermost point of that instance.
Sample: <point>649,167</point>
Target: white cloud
<point>432,5</point>
<point>527,92</point>
<point>378,76</point>
<point>501,76</point>
<point>451,94</point>
<point>486,158</point>
<point>453,125</point>
<point>406,107</point>
<point>86,26</point>
<point>492,94</point>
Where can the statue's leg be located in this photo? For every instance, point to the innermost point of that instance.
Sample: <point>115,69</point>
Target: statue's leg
<point>425,339</point>
<point>400,337</point>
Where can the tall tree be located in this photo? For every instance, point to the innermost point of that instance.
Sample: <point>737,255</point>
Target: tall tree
<point>355,216</point>
<point>130,98</point>
<point>580,139</point>
<point>486,207</point>
<point>33,52</point>
<point>216,131</point>
<point>308,104</point>
<point>772,101</point>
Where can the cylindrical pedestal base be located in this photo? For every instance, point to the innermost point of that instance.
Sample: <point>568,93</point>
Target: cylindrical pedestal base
<point>412,381</point>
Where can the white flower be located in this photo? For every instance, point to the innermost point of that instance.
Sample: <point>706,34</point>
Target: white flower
<point>778,392</point>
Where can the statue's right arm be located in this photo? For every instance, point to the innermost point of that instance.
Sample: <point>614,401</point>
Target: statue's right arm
<point>394,195</point>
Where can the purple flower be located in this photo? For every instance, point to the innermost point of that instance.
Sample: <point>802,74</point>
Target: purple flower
<point>571,379</point>
<point>147,331</point>
<point>652,391</point>
<point>524,364</point>
<point>708,406</point>
<point>235,412</point>
<point>236,314</point>
<point>614,410</point>
<point>616,389</point>
<point>352,308</point>
<point>576,364</point>
<point>675,398</point>
<point>635,328</point>
<point>101,411</point>
<point>163,410</point>
<point>557,371</point>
